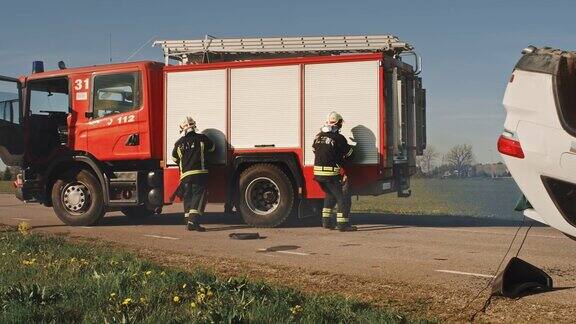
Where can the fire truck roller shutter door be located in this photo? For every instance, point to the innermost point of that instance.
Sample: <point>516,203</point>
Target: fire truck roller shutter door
<point>351,89</point>
<point>201,95</point>
<point>265,107</point>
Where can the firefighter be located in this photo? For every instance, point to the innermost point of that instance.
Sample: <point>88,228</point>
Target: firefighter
<point>190,154</point>
<point>331,150</point>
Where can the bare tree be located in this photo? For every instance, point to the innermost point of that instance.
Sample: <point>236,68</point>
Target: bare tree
<point>428,158</point>
<point>460,158</point>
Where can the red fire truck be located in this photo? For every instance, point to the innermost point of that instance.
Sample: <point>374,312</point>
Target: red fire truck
<point>99,138</point>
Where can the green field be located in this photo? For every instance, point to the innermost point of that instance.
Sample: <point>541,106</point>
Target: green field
<point>477,197</point>
<point>47,279</point>
<point>6,187</point>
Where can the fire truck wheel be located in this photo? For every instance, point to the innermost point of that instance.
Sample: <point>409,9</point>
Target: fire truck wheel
<point>77,198</point>
<point>266,196</point>
<point>137,212</point>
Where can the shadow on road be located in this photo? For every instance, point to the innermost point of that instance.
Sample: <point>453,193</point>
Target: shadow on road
<point>174,219</point>
<point>367,221</point>
<point>433,220</point>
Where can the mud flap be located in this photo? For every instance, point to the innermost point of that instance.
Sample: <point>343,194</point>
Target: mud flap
<point>520,278</point>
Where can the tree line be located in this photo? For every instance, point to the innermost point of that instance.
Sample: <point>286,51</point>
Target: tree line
<point>457,162</point>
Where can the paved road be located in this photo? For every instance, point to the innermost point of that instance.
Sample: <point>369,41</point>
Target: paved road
<point>454,254</point>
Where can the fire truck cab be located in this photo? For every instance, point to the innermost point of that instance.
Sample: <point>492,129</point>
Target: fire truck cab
<point>96,139</point>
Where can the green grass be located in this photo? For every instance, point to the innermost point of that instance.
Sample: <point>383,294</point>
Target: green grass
<point>48,279</point>
<point>478,197</point>
<point>6,187</point>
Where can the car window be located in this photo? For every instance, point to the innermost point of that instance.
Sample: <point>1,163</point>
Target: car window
<point>116,93</point>
<point>49,96</point>
<point>9,102</point>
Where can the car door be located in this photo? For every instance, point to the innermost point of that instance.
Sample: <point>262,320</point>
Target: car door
<point>116,106</point>
<point>11,130</point>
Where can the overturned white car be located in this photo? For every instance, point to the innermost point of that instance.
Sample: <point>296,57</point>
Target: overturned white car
<point>539,140</point>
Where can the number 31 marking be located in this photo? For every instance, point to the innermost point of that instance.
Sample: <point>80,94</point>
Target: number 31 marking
<point>81,84</point>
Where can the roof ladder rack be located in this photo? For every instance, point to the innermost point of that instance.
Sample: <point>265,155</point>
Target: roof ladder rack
<point>234,49</point>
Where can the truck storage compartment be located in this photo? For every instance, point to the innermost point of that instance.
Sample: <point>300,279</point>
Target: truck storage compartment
<point>352,89</point>
<point>202,95</point>
<point>265,107</point>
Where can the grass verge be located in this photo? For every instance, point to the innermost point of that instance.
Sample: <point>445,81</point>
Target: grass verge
<point>47,279</point>
<point>6,187</point>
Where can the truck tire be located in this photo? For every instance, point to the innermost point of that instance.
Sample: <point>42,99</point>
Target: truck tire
<point>137,212</point>
<point>77,198</point>
<point>266,196</point>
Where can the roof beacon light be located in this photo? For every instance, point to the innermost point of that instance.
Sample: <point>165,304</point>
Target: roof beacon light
<point>37,67</point>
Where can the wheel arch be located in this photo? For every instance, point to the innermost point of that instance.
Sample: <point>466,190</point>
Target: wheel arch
<point>79,160</point>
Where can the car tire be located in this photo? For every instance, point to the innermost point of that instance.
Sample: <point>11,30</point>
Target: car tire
<point>266,196</point>
<point>77,198</point>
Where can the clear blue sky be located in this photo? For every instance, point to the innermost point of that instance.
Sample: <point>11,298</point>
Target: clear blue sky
<point>468,47</point>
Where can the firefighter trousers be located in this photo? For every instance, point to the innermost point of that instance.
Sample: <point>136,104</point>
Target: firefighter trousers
<point>336,195</point>
<point>194,195</point>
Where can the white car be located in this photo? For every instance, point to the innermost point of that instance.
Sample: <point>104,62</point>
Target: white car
<point>539,140</point>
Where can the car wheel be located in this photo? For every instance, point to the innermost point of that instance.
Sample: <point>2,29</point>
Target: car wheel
<point>77,198</point>
<point>266,196</point>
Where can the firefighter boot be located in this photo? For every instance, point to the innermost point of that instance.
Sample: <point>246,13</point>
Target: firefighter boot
<point>327,218</point>
<point>343,224</point>
<point>192,223</point>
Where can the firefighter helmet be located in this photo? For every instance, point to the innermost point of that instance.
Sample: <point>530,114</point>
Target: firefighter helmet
<point>334,119</point>
<point>188,123</point>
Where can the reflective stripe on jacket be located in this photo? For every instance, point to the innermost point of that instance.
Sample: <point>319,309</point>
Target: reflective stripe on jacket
<point>189,154</point>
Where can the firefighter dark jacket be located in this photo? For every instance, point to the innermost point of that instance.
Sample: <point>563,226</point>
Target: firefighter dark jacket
<point>190,153</point>
<point>331,150</point>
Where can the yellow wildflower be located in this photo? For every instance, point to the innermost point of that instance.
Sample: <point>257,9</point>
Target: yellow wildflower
<point>24,228</point>
<point>149,272</point>
<point>162,273</point>
<point>176,299</point>
<point>143,300</point>
<point>184,286</point>
<point>127,301</point>
<point>193,304</point>
<point>113,295</point>
<point>296,310</point>
<point>29,262</point>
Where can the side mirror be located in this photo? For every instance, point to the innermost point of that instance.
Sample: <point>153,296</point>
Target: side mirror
<point>89,114</point>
